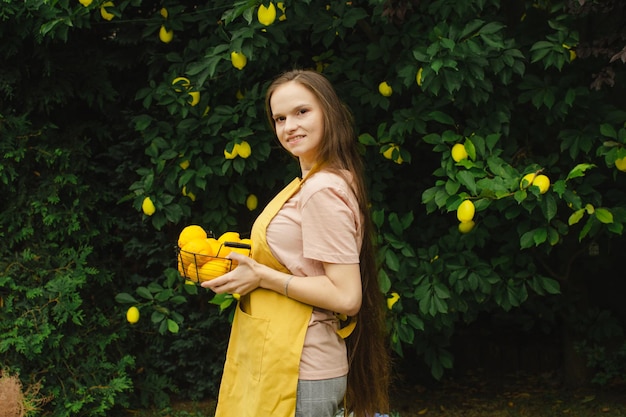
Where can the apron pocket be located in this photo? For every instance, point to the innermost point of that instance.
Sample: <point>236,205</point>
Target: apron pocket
<point>251,335</point>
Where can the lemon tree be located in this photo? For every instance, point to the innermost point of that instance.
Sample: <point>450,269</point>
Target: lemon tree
<point>453,102</point>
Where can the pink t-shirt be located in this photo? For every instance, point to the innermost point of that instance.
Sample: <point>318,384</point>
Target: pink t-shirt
<point>320,223</point>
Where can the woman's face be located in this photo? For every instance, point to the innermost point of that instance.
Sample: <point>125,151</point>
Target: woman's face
<point>299,121</point>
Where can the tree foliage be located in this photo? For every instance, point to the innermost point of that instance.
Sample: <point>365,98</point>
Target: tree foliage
<point>97,113</point>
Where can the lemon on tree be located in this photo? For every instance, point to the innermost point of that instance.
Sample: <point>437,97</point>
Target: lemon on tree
<point>527,180</point>
<point>252,202</point>
<point>620,163</point>
<point>281,7</point>
<point>465,211</point>
<point>458,152</point>
<point>232,154</point>
<point>385,89</point>
<point>244,150</point>
<point>392,299</point>
<point>238,59</point>
<point>106,15</point>
<point>132,315</point>
<point>165,35</point>
<point>86,3</point>
<point>266,15</point>
<point>466,227</point>
<point>189,194</point>
<point>389,152</point>
<point>148,206</point>
<point>195,97</point>
<point>543,182</point>
<point>418,77</point>
<point>179,82</point>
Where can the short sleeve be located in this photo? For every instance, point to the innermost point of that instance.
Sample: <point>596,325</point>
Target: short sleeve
<point>331,221</point>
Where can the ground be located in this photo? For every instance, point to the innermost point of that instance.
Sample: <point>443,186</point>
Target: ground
<point>477,395</point>
<point>474,395</point>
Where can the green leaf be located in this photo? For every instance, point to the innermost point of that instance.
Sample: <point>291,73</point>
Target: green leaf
<point>466,178</point>
<point>604,215</point>
<point>384,282</point>
<point>608,130</point>
<point>145,293</point>
<point>540,236</point>
<point>391,260</point>
<point>576,216</point>
<point>125,298</point>
<point>579,171</point>
<point>172,326</point>
<point>441,117</point>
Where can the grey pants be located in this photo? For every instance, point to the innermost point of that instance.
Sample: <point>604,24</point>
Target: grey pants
<point>321,398</point>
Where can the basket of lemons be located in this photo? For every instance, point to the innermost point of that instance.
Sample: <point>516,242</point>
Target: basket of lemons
<point>202,257</point>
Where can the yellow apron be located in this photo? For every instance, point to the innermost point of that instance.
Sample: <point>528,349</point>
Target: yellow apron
<point>263,358</point>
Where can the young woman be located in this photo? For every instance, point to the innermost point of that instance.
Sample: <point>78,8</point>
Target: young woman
<point>312,262</point>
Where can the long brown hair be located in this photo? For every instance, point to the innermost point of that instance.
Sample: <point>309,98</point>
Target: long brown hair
<point>368,378</point>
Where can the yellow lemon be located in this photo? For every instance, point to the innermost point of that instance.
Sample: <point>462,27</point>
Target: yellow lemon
<point>389,154</point>
<point>527,181</point>
<point>164,12</point>
<point>165,35</point>
<point>392,299</point>
<point>189,194</point>
<point>199,251</point>
<point>190,233</point>
<point>181,267</point>
<point>179,82</point>
<point>86,3</point>
<point>214,268</point>
<point>248,242</point>
<point>229,237</point>
<point>418,77</point>
<point>193,272</point>
<point>266,15</point>
<point>281,7</point>
<point>252,202</point>
<point>132,315</point>
<point>458,152</point>
<point>385,89</point>
<point>238,60</point>
<point>466,211</point>
<point>195,97</point>
<point>243,149</point>
<point>184,164</point>
<point>106,15</point>
<point>466,227</point>
<point>148,206</point>
<point>543,182</point>
<point>233,154</point>
<point>620,164</point>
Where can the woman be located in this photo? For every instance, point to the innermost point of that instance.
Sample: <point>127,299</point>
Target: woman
<point>312,261</point>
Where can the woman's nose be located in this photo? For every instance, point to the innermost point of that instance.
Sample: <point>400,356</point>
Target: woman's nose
<point>290,124</point>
